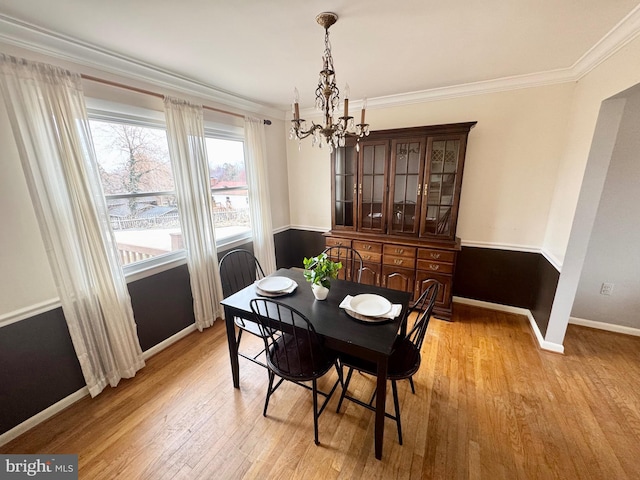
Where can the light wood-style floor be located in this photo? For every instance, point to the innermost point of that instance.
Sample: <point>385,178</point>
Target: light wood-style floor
<point>489,405</point>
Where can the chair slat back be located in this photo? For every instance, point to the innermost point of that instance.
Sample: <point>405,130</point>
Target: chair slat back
<point>239,268</point>
<point>283,325</point>
<point>424,306</point>
<point>351,262</point>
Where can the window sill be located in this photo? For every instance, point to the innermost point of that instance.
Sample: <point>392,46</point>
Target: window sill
<point>159,264</point>
<point>162,263</point>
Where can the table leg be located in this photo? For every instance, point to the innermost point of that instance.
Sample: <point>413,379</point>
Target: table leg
<point>381,394</point>
<point>233,347</point>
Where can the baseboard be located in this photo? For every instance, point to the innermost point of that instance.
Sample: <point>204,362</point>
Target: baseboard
<point>605,326</point>
<point>549,346</point>
<point>74,397</point>
<point>43,415</point>
<point>169,341</point>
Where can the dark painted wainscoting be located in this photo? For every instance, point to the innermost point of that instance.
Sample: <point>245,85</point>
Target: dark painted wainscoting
<point>505,277</point>
<point>293,245</point>
<point>497,276</point>
<point>548,277</point>
<point>162,305</point>
<point>38,365</point>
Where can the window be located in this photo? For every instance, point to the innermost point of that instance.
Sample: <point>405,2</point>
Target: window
<point>135,169</point>
<point>133,158</point>
<point>229,190</point>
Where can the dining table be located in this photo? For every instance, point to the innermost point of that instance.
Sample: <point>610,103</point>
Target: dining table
<point>369,340</point>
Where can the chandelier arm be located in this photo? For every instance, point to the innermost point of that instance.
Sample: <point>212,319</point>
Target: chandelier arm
<point>304,133</point>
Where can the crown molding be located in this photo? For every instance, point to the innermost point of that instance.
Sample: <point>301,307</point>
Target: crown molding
<point>43,41</point>
<point>476,88</point>
<point>624,32</point>
<point>31,37</point>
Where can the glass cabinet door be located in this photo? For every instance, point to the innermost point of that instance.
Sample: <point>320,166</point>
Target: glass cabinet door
<point>441,180</point>
<point>345,187</point>
<point>406,185</point>
<point>372,186</point>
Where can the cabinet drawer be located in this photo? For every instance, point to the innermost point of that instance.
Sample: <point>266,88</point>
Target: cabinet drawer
<point>436,255</point>
<point>439,267</point>
<point>399,251</point>
<point>367,247</point>
<point>370,257</point>
<point>337,242</point>
<point>396,261</point>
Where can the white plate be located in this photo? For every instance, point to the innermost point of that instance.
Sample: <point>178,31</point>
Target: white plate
<point>364,318</point>
<point>274,284</point>
<point>370,305</point>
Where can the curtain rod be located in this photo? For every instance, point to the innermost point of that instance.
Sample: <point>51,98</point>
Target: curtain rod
<point>155,94</point>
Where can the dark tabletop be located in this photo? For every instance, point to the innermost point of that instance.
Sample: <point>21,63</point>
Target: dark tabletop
<point>341,332</point>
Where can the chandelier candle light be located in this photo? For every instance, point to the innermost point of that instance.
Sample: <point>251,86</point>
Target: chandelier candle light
<point>327,100</point>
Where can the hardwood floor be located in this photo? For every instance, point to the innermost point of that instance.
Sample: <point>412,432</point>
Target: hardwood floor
<point>488,405</point>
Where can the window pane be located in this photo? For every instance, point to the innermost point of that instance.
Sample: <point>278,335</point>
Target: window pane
<point>138,184</point>
<point>229,189</point>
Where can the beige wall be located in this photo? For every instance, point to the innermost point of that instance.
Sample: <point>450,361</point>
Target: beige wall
<point>510,172</point>
<point>26,276</point>
<point>619,72</point>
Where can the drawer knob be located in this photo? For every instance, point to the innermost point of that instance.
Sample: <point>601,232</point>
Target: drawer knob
<point>367,247</point>
<point>366,257</point>
<point>399,251</point>
<point>397,261</point>
<point>434,267</point>
<point>435,255</point>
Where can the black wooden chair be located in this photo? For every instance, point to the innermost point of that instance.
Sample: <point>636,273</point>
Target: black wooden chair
<point>238,269</point>
<point>404,361</point>
<point>294,352</point>
<point>351,262</point>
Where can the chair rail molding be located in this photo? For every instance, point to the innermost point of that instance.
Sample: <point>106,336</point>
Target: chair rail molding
<point>30,311</point>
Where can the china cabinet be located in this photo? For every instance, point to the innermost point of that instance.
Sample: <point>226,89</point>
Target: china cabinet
<point>395,199</point>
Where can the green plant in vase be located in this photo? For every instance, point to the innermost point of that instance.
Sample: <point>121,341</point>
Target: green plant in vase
<point>319,271</point>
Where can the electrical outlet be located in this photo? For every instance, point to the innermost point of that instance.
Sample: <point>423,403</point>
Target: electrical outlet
<point>606,289</point>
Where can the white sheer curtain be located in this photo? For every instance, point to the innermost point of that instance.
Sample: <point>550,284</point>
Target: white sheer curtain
<point>49,121</point>
<point>188,152</point>
<point>259,202</point>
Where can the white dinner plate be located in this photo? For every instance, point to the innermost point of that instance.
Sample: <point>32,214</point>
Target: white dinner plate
<point>274,284</point>
<point>370,305</point>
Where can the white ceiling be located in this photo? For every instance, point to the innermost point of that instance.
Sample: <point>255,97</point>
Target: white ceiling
<point>259,50</point>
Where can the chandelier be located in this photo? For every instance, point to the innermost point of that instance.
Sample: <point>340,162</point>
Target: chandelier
<point>327,101</point>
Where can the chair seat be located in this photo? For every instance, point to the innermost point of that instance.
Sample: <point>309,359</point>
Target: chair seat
<point>404,362</point>
<point>296,358</point>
